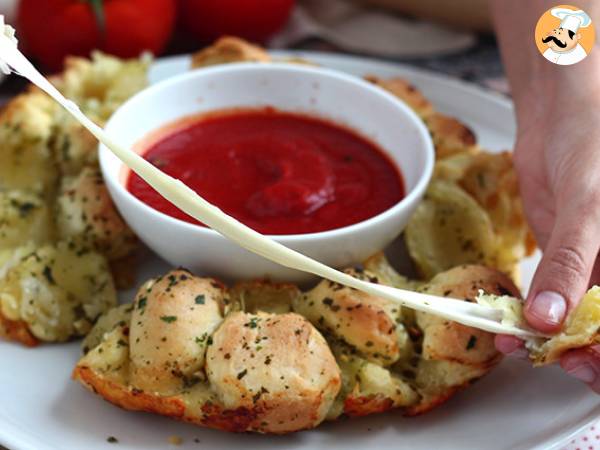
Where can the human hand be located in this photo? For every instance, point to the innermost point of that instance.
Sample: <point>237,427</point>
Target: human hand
<point>557,158</point>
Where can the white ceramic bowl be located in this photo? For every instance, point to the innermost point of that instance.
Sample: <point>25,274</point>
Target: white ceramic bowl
<point>325,93</point>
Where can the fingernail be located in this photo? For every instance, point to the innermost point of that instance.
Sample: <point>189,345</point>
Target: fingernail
<point>548,307</point>
<point>520,353</point>
<point>584,373</point>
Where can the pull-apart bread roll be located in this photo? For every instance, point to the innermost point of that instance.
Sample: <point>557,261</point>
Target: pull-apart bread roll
<point>25,217</point>
<point>277,368</point>
<point>581,328</point>
<point>58,226</point>
<point>26,126</point>
<point>406,92</point>
<point>478,187</point>
<point>99,86</point>
<point>371,325</point>
<point>229,49</point>
<point>84,208</point>
<point>268,358</point>
<point>172,352</point>
<point>54,292</point>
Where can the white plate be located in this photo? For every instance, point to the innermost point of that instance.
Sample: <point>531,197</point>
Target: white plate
<point>514,408</point>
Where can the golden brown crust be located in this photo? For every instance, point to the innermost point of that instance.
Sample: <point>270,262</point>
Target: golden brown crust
<point>363,406</point>
<point>18,331</point>
<point>450,136</point>
<point>431,403</point>
<point>124,271</point>
<point>229,49</point>
<point>128,397</point>
<point>464,282</point>
<point>210,415</point>
<point>238,420</point>
<point>406,92</point>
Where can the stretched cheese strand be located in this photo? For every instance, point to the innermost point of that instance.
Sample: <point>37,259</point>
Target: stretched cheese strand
<point>470,314</point>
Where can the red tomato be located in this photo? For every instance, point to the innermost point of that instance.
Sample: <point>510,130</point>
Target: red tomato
<point>53,29</point>
<point>255,20</point>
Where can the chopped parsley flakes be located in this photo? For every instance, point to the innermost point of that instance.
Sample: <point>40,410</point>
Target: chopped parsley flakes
<point>48,274</point>
<point>471,343</point>
<point>142,302</point>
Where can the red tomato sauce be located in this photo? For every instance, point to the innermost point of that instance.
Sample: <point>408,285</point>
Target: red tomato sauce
<point>276,172</point>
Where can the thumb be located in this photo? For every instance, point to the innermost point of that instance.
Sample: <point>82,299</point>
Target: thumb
<point>563,274</point>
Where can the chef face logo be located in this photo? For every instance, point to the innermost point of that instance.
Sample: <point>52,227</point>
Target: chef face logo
<point>561,40</point>
<point>565,35</point>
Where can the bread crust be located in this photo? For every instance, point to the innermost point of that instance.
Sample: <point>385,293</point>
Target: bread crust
<point>229,49</point>
<point>406,92</point>
<point>275,373</point>
<point>17,331</point>
<point>450,136</point>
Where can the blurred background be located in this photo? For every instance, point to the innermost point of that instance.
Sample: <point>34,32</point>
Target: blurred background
<point>457,41</point>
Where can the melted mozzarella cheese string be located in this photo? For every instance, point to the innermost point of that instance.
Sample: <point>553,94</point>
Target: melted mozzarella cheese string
<point>470,314</point>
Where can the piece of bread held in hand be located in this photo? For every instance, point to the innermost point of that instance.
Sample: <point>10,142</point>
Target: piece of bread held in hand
<point>580,329</point>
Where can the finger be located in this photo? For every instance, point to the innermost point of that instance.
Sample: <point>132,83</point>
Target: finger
<point>564,272</point>
<point>511,346</point>
<point>584,365</point>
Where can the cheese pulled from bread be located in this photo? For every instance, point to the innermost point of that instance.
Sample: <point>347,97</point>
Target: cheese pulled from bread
<point>581,327</point>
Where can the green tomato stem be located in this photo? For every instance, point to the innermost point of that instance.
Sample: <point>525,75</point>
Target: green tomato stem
<point>98,9</point>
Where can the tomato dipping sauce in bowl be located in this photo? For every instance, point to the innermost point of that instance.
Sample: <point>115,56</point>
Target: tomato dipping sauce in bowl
<point>277,172</point>
<point>323,162</point>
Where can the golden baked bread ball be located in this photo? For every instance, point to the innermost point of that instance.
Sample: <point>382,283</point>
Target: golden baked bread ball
<point>26,161</point>
<point>172,322</point>
<point>277,366</point>
<point>229,49</point>
<point>84,208</point>
<point>25,217</point>
<point>371,325</point>
<point>453,355</point>
<point>406,92</point>
<point>57,290</point>
<point>450,136</point>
